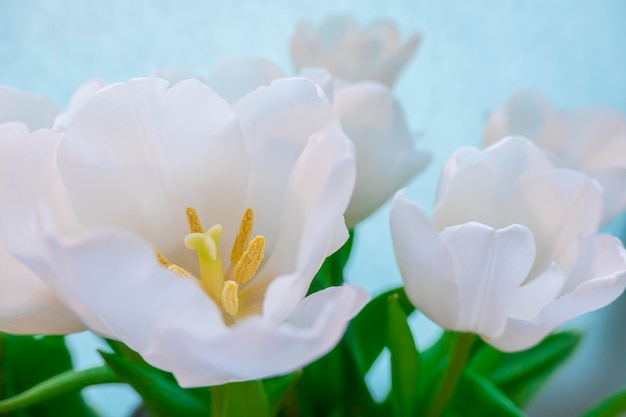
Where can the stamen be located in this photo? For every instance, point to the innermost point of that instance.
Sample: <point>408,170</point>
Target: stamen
<point>179,271</point>
<point>230,297</point>
<point>194,221</point>
<point>162,259</point>
<point>250,261</point>
<point>172,267</point>
<point>243,236</point>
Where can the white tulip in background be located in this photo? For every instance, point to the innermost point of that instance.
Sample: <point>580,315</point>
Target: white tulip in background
<point>33,110</point>
<point>352,53</point>
<point>37,112</point>
<point>591,140</point>
<point>114,188</point>
<point>511,251</point>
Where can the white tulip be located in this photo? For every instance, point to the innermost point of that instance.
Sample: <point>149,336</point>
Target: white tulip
<point>352,53</point>
<point>198,226</point>
<point>511,251</point>
<point>591,140</point>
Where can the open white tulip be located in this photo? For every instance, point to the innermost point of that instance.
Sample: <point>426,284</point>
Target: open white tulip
<point>196,227</point>
<point>370,115</point>
<point>512,251</point>
<point>591,140</point>
<point>352,53</point>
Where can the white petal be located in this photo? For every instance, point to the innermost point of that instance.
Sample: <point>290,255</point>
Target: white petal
<point>534,295</point>
<point>490,265</point>
<point>113,282</point>
<point>78,100</point>
<point>323,78</point>
<point>27,305</point>
<point>33,110</point>
<point>596,138</point>
<point>257,348</point>
<point>468,190</point>
<point>612,180</point>
<point>234,77</point>
<point>529,114</point>
<point>312,217</point>
<point>28,174</point>
<point>390,69</point>
<point>600,255</point>
<point>425,263</point>
<point>277,123</point>
<point>303,48</point>
<point>598,278</point>
<point>560,207</point>
<point>386,159</point>
<point>114,277</point>
<point>152,152</point>
<point>588,296</point>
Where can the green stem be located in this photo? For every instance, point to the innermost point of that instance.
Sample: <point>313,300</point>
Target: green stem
<point>460,354</point>
<point>58,385</point>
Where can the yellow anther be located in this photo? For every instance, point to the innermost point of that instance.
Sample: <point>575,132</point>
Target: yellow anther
<point>172,267</point>
<point>162,259</point>
<point>194,221</point>
<point>179,271</point>
<point>230,297</point>
<point>243,236</point>
<point>250,261</point>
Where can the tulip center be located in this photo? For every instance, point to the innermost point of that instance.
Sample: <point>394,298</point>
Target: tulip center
<point>245,259</point>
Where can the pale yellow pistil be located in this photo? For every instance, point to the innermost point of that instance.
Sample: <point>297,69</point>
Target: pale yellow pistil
<point>245,258</point>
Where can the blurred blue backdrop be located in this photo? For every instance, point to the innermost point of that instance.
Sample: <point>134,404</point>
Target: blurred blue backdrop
<point>473,55</point>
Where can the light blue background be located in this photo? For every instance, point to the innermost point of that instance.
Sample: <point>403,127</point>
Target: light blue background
<point>473,55</point>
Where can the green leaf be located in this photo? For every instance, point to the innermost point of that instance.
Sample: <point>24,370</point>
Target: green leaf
<point>477,396</point>
<point>522,374</point>
<point>332,384</point>
<point>331,272</point>
<point>66,382</point>
<point>240,399</point>
<point>120,349</point>
<point>613,406</point>
<point>368,331</point>
<point>25,361</point>
<point>404,361</point>
<point>161,396</point>
<point>486,359</point>
<point>278,388</point>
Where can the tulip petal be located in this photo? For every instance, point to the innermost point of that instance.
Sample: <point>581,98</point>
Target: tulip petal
<point>152,150</point>
<point>476,185</point>
<point>490,266</point>
<point>277,122</point>
<point>425,263</point>
<point>386,159</point>
<point>597,279</point>
<point>312,216</point>
<point>33,110</point>
<point>82,94</point>
<point>560,207</point>
<point>169,319</point>
<point>234,77</point>
<point>257,347</point>
<point>27,305</point>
